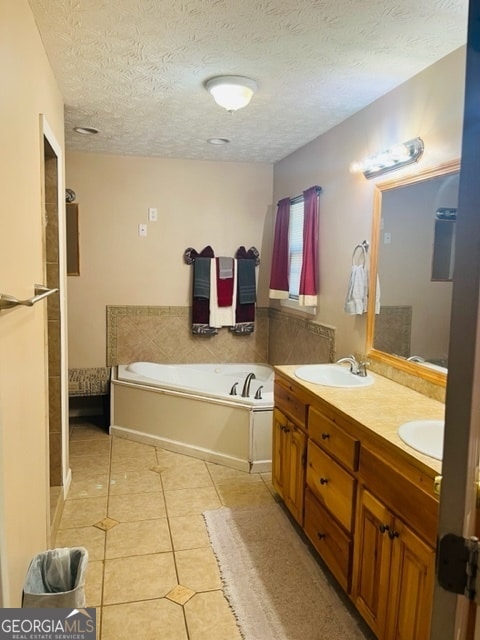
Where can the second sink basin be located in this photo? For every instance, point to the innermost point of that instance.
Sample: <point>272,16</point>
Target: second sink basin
<point>425,436</point>
<point>332,375</point>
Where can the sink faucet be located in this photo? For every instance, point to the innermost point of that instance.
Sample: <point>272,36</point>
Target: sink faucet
<point>246,385</point>
<point>357,368</point>
<point>353,363</point>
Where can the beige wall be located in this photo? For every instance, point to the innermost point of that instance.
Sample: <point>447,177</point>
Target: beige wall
<point>224,205</point>
<point>430,105</point>
<point>28,90</point>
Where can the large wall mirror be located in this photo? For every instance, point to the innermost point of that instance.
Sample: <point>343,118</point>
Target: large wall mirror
<point>411,271</point>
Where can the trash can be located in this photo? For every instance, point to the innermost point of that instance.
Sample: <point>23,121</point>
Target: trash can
<point>56,578</point>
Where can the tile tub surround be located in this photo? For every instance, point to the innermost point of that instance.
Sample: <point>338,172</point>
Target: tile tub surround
<point>137,509</point>
<point>163,334</point>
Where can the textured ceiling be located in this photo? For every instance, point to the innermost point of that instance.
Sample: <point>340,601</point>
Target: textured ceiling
<point>134,69</point>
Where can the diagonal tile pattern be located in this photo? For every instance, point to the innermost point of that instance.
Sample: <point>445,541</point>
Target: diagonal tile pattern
<point>138,510</point>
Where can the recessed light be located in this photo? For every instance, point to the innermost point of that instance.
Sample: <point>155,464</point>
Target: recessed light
<point>86,131</point>
<point>218,141</point>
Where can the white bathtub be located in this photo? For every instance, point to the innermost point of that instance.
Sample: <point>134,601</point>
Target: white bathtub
<point>190,409</point>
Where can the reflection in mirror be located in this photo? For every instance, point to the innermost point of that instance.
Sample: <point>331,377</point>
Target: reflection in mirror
<point>413,254</point>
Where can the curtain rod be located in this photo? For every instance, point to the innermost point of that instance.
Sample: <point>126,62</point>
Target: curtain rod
<point>299,198</point>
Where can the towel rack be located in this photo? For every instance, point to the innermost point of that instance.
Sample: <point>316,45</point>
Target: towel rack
<point>40,292</point>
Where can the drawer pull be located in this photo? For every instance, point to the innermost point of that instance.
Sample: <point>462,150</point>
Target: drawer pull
<point>383,527</point>
<point>323,480</point>
<point>325,436</point>
<point>393,534</point>
<point>321,536</point>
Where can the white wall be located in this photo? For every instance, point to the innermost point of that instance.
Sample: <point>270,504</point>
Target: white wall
<point>430,105</point>
<point>28,90</point>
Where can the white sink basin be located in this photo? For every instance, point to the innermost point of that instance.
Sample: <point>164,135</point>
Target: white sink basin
<point>425,436</point>
<point>332,375</point>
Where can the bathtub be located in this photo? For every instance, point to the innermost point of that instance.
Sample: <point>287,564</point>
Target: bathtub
<point>190,409</point>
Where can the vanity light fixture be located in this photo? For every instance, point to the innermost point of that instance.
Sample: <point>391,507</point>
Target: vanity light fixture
<point>398,156</point>
<point>231,92</point>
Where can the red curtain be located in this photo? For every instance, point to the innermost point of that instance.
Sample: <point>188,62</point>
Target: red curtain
<point>279,271</point>
<point>309,274</point>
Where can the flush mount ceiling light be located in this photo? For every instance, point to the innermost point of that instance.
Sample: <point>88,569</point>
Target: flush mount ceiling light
<point>86,131</point>
<point>218,141</point>
<point>398,156</point>
<point>231,92</point>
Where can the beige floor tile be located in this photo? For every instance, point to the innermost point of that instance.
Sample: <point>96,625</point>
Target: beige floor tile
<point>187,474</point>
<point>198,569</point>
<point>89,537</point>
<point>168,459</point>
<point>189,532</point>
<point>84,467</point>
<point>244,495</point>
<point>94,447</point>
<point>143,481</point>
<point>121,448</point>
<point>88,432</point>
<point>150,620</point>
<point>137,506</point>
<point>94,583</point>
<point>83,512</point>
<point>182,502</point>
<point>138,578</point>
<point>138,538</point>
<point>134,463</point>
<point>226,475</point>
<point>209,617</point>
<point>90,487</point>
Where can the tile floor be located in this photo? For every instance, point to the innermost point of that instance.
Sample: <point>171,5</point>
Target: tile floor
<point>138,510</point>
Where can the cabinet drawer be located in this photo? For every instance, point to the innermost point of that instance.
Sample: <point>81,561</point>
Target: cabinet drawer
<point>329,540</point>
<point>331,484</point>
<point>287,401</point>
<point>333,439</point>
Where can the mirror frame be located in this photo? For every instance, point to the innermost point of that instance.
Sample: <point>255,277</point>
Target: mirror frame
<point>413,368</point>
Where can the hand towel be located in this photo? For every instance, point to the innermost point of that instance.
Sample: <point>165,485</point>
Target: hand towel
<point>357,293</point>
<point>221,316</point>
<point>224,285</point>
<point>225,267</point>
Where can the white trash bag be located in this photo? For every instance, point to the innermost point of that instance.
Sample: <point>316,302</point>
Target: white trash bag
<point>56,578</point>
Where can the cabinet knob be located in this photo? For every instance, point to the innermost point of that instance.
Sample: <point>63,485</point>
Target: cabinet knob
<point>383,527</point>
<point>325,436</point>
<point>321,536</point>
<point>393,534</point>
<point>323,480</point>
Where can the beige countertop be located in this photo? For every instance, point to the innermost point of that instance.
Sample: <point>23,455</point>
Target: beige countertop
<point>381,408</point>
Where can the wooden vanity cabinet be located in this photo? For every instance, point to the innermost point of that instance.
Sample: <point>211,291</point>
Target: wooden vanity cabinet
<point>369,512</point>
<point>394,568</point>
<point>289,448</point>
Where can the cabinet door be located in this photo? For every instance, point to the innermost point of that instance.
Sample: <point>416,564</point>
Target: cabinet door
<point>294,485</point>
<point>280,426</point>
<point>411,585</point>
<point>372,554</point>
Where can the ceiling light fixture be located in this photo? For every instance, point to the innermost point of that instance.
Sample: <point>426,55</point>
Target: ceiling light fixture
<point>231,92</point>
<point>218,141</point>
<point>398,156</point>
<point>86,131</point>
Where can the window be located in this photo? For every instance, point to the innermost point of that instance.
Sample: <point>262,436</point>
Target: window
<point>295,247</point>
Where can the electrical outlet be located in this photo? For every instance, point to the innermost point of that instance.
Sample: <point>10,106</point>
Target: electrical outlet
<point>152,214</point>
<point>387,238</point>
<point>142,230</point>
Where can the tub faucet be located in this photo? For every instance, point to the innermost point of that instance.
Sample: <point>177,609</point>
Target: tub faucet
<point>246,385</point>
<point>233,390</point>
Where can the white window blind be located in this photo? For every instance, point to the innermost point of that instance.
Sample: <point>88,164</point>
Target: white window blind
<point>295,244</point>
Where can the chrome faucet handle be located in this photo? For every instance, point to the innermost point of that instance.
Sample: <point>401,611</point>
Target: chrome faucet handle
<point>233,390</point>
<point>362,368</point>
